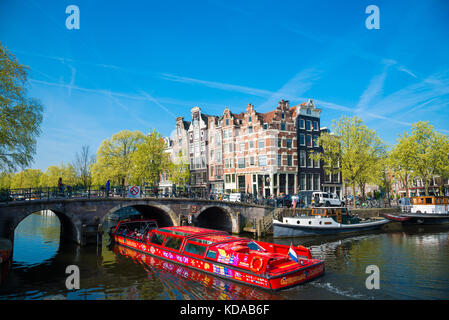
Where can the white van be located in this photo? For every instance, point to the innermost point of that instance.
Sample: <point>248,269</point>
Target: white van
<point>326,199</point>
<point>235,197</point>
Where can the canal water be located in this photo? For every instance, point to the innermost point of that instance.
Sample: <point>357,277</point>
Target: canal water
<point>413,263</point>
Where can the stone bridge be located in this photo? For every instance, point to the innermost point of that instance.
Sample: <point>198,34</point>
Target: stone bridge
<point>81,218</point>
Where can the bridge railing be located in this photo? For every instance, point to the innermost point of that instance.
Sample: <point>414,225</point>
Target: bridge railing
<point>69,192</point>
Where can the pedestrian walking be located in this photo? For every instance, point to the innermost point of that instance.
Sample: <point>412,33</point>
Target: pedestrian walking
<point>107,187</point>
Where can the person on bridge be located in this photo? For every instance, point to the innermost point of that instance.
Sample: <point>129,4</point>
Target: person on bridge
<point>60,186</point>
<point>107,187</point>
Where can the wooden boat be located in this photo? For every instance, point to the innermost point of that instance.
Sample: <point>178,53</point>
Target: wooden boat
<point>5,249</point>
<point>323,221</point>
<point>424,210</point>
<point>257,263</point>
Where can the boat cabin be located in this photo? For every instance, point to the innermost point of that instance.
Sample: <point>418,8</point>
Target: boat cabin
<point>339,214</point>
<point>186,242</point>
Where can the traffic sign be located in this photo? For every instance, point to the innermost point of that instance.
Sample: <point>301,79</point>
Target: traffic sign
<point>134,191</point>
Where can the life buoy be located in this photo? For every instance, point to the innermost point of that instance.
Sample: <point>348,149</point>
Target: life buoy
<point>256,264</point>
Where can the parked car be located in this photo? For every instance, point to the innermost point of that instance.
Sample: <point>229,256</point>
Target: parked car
<point>326,199</point>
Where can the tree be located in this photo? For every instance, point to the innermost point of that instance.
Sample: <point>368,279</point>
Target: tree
<point>330,153</point>
<point>114,158</point>
<point>430,155</point>
<point>53,173</point>
<point>82,165</point>
<point>150,159</point>
<point>359,149</point>
<point>28,178</point>
<point>5,180</point>
<point>400,161</point>
<point>20,116</point>
<point>179,171</point>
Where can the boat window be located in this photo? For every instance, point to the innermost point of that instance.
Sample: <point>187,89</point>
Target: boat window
<point>157,238</point>
<point>297,222</point>
<point>254,246</point>
<point>195,249</point>
<point>173,242</point>
<point>428,200</point>
<point>211,254</point>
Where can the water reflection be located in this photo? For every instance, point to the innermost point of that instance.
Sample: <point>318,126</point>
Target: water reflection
<point>37,233</point>
<point>413,264</point>
<point>184,283</point>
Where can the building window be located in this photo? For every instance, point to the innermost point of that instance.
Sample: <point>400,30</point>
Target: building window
<point>302,159</point>
<point>227,122</point>
<point>242,146</point>
<point>282,125</point>
<point>262,160</point>
<point>289,160</point>
<point>309,181</point>
<point>249,119</point>
<point>279,160</point>
<point>283,115</point>
<point>316,181</point>
<point>227,178</point>
<point>309,125</point>
<point>309,161</point>
<point>261,144</point>
<point>241,162</point>
<point>301,124</point>
<point>279,143</point>
<point>309,140</point>
<point>302,139</point>
<point>265,126</point>
<point>250,129</point>
<point>315,141</point>
<point>251,161</point>
<point>289,143</point>
<point>309,111</point>
<point>302,181</point>
<point>316,163</point>
<point>212,155</point>
<point>315,126</point>
<point>251,144</point>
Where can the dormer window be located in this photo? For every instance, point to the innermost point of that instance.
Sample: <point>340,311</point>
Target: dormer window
<point>309,111</point>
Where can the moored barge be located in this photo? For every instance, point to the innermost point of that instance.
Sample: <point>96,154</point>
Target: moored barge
<point>432,210</point>
<point>261,264</point>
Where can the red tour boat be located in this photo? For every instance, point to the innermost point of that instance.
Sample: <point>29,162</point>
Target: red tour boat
<point>266,265</point>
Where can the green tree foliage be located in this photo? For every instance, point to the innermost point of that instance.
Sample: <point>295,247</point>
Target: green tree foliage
<point>400,161</point>
<point>360,150</point>
<point>428,152</point>
<point>20,116</point>
<point>179,171</point>
<point>53,173</point>
<point>5,180</point>
<point>114,158</point>
<point>150,159</point>
<point>28,178</point>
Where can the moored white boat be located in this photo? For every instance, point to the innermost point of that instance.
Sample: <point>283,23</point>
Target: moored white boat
<point>323,221</point>
<point>424,210</point>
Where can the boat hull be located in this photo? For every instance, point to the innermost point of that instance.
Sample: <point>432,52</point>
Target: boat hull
<point>420,219</point>
<point>226,271</point>
<point>283,230</point>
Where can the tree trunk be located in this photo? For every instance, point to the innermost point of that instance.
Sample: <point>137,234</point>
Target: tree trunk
<point>353,194</point>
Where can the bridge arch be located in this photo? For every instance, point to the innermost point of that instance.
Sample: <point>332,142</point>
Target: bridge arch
<point>216,217</point>
<point>164,215</point>
<point>67,233</point>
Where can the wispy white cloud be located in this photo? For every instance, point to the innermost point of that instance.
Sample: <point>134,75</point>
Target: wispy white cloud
<point>218,85</point>
<point>373,90</point>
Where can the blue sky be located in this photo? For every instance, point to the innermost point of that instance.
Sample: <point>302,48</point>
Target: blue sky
<point>139,64</point>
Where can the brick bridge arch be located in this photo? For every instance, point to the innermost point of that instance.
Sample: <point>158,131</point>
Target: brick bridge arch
<point>78,217</point>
